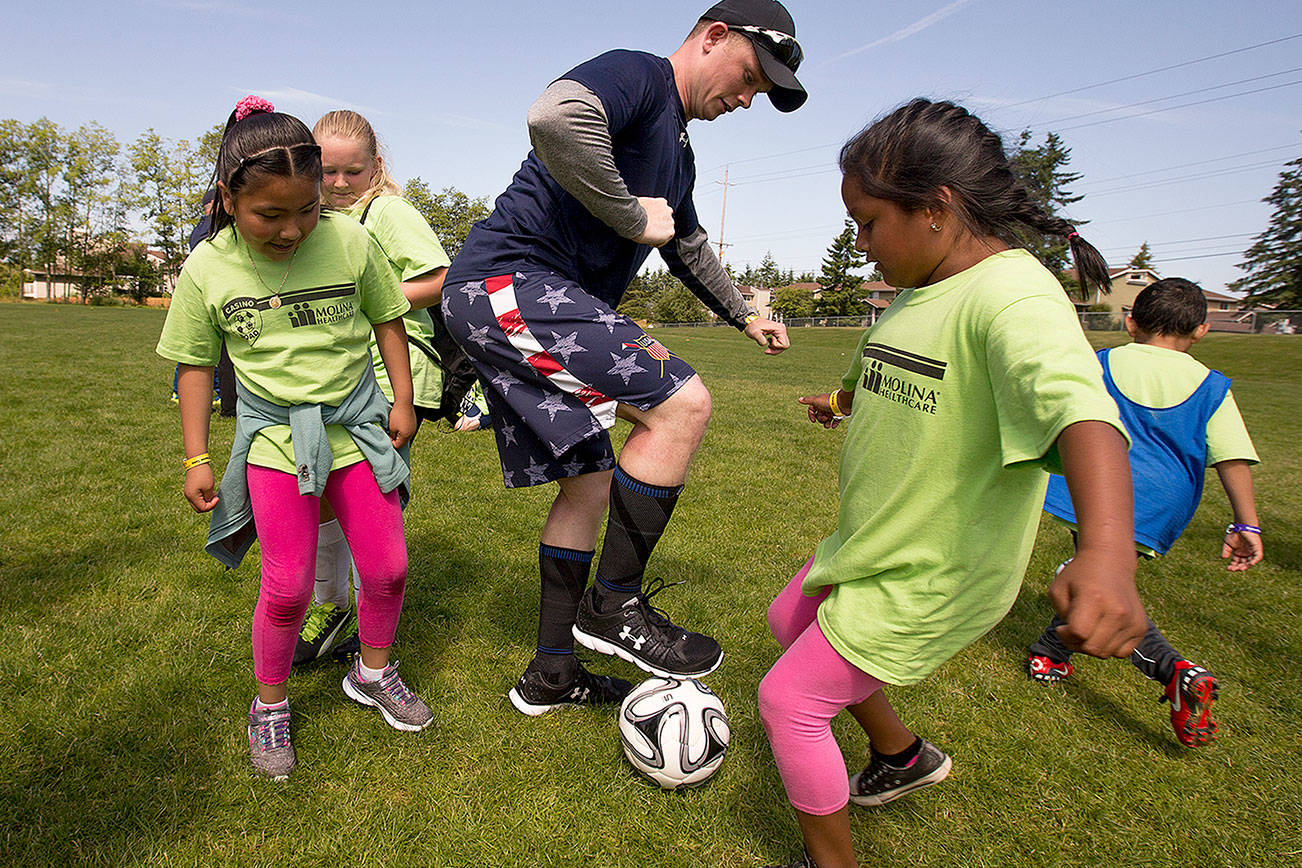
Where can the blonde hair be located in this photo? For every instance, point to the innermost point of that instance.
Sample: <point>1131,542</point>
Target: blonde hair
<point>346,124</point>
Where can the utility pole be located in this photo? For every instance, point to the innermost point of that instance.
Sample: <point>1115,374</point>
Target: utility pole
<point>724,212</point>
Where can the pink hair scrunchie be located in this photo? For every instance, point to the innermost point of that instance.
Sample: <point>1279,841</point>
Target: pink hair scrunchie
<point>252,105</point>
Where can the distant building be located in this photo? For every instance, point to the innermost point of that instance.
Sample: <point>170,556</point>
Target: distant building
<point>760,298</point>
<point>60,282</point>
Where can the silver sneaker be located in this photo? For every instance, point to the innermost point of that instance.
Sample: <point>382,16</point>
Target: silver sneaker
<point>401,708</point>
<point>880,782</point>
<point>270,750</point>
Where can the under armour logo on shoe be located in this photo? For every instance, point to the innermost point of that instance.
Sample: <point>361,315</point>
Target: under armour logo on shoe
<point>627,635</point>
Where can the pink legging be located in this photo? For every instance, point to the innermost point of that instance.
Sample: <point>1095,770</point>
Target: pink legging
<point>801,694</point>
<point>287,525</point>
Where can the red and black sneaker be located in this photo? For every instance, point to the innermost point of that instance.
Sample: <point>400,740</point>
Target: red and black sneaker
<point>1191,692</point>
<point>1043,668</point>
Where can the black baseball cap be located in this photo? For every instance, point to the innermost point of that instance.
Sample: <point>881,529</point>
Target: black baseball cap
<point>769,27</point>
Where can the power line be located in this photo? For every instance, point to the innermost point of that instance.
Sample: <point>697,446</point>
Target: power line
<point>1182,105</point>
<point>1180,179</point>
<point>1079,89</point>
<point>1184,211</point>
<point>1156,71</point>
<point>1201,256</point>
<point>1174,96</point>
<point>1287,147</point>
<point>1154,244</point>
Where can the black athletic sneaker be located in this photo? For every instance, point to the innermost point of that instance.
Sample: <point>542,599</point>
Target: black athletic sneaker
<point>643,635</point>
<point>324,628</point>
<point>880,783</point>
<point>535,694</point>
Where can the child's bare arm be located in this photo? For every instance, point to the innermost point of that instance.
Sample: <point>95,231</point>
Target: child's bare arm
<point>194,395</point>
<point>1095,593</point>
<point>822,411</point>
<point>391,338</point>
<point>1243,548</point>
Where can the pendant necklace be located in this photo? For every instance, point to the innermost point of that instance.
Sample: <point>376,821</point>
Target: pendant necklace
<point>274,302</point>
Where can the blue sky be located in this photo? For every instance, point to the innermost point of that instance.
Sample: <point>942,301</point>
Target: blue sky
<point>447,85</point>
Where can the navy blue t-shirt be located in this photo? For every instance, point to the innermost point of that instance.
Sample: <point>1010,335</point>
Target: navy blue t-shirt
<point>536,225</point>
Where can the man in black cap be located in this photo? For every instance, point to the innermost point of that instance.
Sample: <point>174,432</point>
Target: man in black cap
<point>531,298</point>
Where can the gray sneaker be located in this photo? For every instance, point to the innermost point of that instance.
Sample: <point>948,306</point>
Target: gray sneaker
<point>880,782</point>
<point>269,748</point>
<point>401,708</point>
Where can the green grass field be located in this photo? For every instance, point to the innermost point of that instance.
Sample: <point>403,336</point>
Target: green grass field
<point>124,654</point>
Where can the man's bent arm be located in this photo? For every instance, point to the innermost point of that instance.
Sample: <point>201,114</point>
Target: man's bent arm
<point>692,261</point>
<point>571,136</point>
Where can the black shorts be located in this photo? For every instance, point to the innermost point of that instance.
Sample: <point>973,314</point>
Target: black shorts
<point>554,362</point>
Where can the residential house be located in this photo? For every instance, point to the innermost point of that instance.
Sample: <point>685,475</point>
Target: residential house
<point>60,282</point>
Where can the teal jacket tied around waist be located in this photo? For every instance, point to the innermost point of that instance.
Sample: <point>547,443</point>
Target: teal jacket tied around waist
<point>365,413</point>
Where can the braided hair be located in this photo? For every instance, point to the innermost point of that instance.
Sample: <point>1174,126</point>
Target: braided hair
<point>908,155</point>
<point>261,143</point>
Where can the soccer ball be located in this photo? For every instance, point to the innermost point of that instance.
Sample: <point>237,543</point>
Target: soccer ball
<point>674,732</point>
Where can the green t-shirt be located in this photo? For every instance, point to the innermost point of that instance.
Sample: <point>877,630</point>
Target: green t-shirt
<point>413,250</point>
<point>961,390</point>
<point>303,344</point>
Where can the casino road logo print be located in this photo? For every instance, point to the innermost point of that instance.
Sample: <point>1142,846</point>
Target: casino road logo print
<point>318,305</point>
<point>903,377</point>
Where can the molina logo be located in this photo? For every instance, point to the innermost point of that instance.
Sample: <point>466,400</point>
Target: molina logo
<point>902,377</point>
<point>654,349</point>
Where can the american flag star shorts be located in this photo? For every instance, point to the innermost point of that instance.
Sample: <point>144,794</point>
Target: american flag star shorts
<point>555,362</point>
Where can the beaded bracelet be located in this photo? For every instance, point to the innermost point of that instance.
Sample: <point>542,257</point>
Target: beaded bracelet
<point>191,463</point>
<point>1242,528</point>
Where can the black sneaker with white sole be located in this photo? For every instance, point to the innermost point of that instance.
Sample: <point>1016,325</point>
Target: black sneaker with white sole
<point>881,782</point>
<point>644,636</point>
<point>535,694</point>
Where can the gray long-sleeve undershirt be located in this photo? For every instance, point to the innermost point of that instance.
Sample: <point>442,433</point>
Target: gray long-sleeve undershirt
<point>571,136</point>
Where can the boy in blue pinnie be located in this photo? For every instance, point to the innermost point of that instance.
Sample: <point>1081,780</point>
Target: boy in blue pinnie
<point>1181,418</point>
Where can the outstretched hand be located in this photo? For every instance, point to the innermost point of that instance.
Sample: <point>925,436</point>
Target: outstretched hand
<point>770,335</point>
<point>820,410</point>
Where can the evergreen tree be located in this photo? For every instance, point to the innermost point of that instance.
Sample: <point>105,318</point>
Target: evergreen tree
<point>1042,170</point>
<point>1142,259</point>
<point>768,274</point>
<point>1274,263</point>
<point>841,262</point>
<point>839,284</point>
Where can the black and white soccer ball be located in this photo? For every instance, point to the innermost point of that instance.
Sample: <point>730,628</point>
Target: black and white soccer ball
<point>674,732</point>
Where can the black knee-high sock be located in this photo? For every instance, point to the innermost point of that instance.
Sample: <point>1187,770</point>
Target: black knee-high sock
<point>1050,644</point>
<point>638,515</point>
<point>564,576</point>
<point>1154,656</point>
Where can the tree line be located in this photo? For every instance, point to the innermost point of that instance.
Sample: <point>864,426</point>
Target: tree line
<point>77,201</point>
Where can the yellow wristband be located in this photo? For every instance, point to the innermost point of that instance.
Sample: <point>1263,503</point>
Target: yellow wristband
<point>831,399</point>
<point>748,319</point>
<point>196,461</point>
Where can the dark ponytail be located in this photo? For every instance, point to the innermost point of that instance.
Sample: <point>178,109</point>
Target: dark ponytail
<point>260,144</point>
<point>908,155</point>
